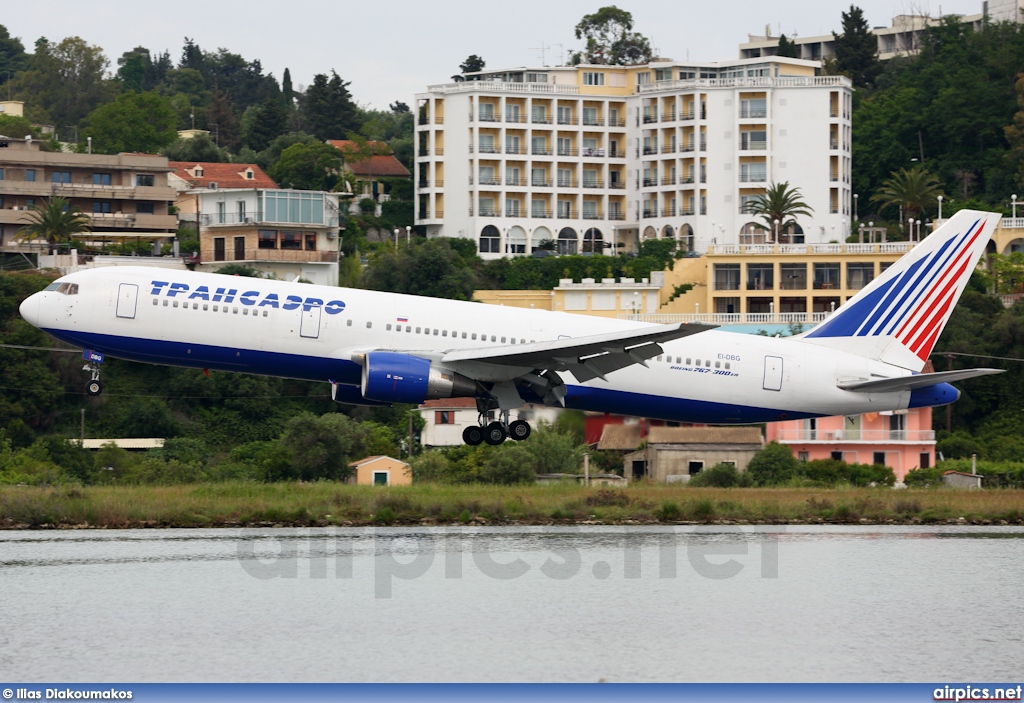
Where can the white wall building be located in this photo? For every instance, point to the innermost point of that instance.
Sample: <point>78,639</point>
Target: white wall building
<point>598,156</point>
<point>446,418</point>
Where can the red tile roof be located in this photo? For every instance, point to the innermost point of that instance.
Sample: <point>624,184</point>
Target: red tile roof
<point>382,164</point>
<point>224,175</point>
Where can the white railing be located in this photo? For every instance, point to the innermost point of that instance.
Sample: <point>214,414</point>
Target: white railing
<point>500,87</point>
<point>1011,223</point>
<point>762,82</point>
<point>761,249</point>
<point>734,318</point>
<point>808,435</point>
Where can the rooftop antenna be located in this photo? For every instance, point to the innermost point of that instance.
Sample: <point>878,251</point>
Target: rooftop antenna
<point>561,54</point>
<point>542,48</point>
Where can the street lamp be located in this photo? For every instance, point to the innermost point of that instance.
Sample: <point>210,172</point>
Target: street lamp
<point>860,233</point>
<point>776,231</point>
<point>856,210</point>
<point>940,208</point>
<point>910,221</point>
<point>408,235</point>
<point>396,237</point>
<point>1014,199</point>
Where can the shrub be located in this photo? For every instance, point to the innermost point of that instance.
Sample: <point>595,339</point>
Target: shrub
<point>773,465</point>
<point>720,476</point>
<point>924,478</point>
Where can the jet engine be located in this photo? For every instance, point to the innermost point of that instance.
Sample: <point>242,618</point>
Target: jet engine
<point>390,377</point>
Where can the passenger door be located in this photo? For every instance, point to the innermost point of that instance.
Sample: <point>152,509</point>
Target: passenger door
<point>309,326</point>
<point>127,299</point>
<point>772,373</point>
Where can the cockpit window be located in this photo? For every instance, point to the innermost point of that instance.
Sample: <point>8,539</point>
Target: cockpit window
<point>65,288</point>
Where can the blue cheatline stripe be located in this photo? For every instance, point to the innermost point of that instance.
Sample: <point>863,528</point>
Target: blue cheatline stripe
<point>935,272</point>
<point>203,356</point>
<point>936,265</point>
<point>847,323</point>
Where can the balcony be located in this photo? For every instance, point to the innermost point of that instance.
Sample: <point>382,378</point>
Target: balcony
<point>540,183</point>
<point>649,182</point>
<point>855,435</point>
<point>540,119</point>
<point>515,181</point>
<point>541,151</point>
<point>487,149</point>
<point>540,214</point>
<point>703,144</point>
<point>753,113</point>
<point>616,123</point>
<point>592,215</point>
<point>568,120</point>
<point>234,220</point>
<point>748,145</point>
<point>488,212</point>
<point>566,183</point>
<point>592,152</point>
<point>833,143</point>
<point>833,112</point>
<point>487,181</point>
<point>568,151</point>
<point>653,212</point>
<point>616,216</point>
<point>834,177</point>
<point>686,179</point>
<point>668,181</point>
<point>593,183</point>
<point>669,149</point>
<point>593,122</point>
<point>649,150</point>
<point>668,211</point>
<point>489,117</point>
<point>515,150</point>
<point>566,214</point>
<point>668,117</point>
<point>321,257</point>
<point>651,118</point>
<point>753,177</point>
<point>686,148</point>
<point>512,118</point>
<point>123,220</point>
<point>617,185</point>
<point>686,211</point>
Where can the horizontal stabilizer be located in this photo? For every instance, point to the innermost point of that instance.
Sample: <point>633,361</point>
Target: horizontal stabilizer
<point>909,383</point>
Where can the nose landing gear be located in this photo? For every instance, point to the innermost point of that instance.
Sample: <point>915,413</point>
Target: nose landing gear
<point>93,359</point>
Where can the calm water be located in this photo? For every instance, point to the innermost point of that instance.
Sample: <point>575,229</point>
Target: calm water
<point>514,604</point>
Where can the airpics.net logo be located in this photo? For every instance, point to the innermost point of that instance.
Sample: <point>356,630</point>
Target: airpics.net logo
<point>387,557</point>
<point>969,692</point>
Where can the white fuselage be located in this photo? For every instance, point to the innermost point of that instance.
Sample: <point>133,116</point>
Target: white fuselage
<point>311,332</point>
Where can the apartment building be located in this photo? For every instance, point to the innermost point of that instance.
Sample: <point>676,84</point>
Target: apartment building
<point>902,37</point>
<point>288,234</point>
<point>596,158</point>
<point>123,194</point>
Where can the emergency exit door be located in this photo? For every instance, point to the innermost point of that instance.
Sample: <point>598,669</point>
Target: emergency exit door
<point>773,373</point>
<point>127,299</point>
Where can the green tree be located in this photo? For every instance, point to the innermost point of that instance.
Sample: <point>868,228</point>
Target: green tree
<point>138,71</point>
<point>429,268</point>
<point>911,191</point>
<point>55,221</point>
<point>268,122</point>
<point>326,108</point>
<point>269,156</point>
<point>472,64</point>
<point>773,465</point>
<point>1015,135</point>
<point>143,122</point>
<point>857,49</point>
<point>287,91</point>
<point>779,203</point>
<point>198,148</point>
<point>322,447</point>
<point>610,39</point>
<point>720,476</point>
<point>222,120</point>
<point>13,58</point>
<point>787,48</point>
<point>66,81</point>
<point>308,166</point>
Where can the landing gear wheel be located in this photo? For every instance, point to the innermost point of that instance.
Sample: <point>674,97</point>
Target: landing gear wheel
<point>494,433</point>
<point>94,387</point>
<point>519,430</point>
<point>473,435</point>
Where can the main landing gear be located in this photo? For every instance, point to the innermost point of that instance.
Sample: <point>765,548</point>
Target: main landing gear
<point>494,433</point>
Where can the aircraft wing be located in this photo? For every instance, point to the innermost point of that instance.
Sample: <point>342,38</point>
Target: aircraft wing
<point>908,383</point>
<point>586,358</point>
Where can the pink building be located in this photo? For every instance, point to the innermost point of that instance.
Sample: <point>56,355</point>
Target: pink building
<point>902,440</point>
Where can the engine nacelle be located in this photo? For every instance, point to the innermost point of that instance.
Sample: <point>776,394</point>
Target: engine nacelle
<point>390,377</point>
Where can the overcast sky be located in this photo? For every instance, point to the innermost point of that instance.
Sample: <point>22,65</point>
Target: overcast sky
<point>392,49</point>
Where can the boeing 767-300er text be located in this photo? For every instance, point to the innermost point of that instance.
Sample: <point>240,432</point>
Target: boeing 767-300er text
<point>380,348</point>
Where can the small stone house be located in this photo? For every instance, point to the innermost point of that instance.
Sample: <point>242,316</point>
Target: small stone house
<point>960,479</point>
<point>674,454</point>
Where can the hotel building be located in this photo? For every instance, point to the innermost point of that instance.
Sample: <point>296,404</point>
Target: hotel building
<point>585,158</point>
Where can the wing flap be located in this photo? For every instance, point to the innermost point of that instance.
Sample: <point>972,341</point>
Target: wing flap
<point>907,383</point>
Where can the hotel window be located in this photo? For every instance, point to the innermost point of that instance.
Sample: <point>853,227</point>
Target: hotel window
<point>61,176</point>
<point>144,207</point>
<point>30,175</point>
<point>310,241</point>
<point>1,174</point>
<point>593,78</point>
<point>643,78</point>
<point>859,275</point>
<point>241,211</point>
<point>144,179</point>
<point>101,179</point>
<point>268,239</point>
<point>101,207</point>
<point>727,276</point>
<point>291,240</point>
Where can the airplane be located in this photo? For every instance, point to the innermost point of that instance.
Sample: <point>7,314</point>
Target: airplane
<point>379,348</point>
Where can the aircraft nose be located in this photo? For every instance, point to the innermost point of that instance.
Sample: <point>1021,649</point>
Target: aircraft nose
<point>30,309</point>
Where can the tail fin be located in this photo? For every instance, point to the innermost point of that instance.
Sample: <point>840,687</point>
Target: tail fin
<point>898,317</point>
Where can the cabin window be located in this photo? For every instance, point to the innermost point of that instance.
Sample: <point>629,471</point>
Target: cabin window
<point>718,364</point>
<point>388,327</point>
<point>435,332</point>
<point>206,306</point>
<point>349,322</point>
<point>265,313</point>
<point>513,340</point>
<point>493,338</point>
<point>245,311</point>
<point>215,308</point>
<point>175,303</point>
<point>727,364</point>
<point>165,303</point>
<point>502,340</point>
<point>464,335</point>
<point>155,301</point>
<point>369,325</point>
<point>474,335</point>
<point>444,333</point>
<point>689,361</point>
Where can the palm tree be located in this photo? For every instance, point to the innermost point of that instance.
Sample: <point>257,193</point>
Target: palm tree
<point>55,221</point>
<point>911,190</point>
<point>779,204</point>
